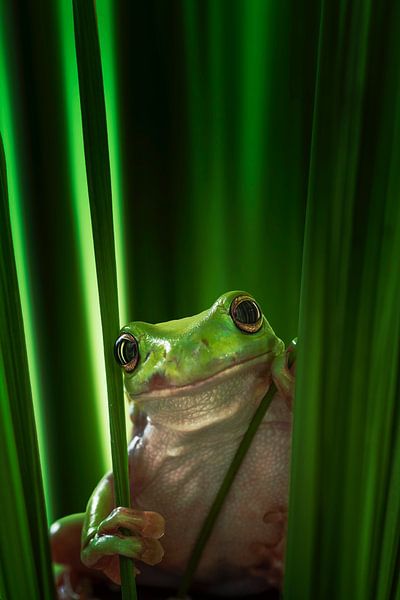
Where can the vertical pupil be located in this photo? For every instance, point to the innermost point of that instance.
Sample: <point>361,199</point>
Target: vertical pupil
<point>247,312</point>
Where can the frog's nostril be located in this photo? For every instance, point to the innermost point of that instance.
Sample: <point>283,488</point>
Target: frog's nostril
<point>158,382</point>
<point>146,357</point>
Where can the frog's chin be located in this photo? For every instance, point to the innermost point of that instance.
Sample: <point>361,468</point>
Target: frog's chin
<point>159,386</point>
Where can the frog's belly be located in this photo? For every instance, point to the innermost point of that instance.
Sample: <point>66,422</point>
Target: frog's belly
<point>245,550</point>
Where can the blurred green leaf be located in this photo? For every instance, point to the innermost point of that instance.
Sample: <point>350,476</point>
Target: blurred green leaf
<point>27,541</point>
<point>344,511</point>
<point>47,252</point>
<point>17,562</point>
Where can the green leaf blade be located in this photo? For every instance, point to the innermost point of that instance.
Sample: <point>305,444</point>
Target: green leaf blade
<point>99,186</point>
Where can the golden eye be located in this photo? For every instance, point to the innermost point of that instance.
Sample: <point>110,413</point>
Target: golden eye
<point>126,351</point>
<point>246,314</point>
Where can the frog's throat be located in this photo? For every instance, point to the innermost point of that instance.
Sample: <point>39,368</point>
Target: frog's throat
<point>213,380</point>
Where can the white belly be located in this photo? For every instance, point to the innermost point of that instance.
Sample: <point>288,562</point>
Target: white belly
<point>244,550</point>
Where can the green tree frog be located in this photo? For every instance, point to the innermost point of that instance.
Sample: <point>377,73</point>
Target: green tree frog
<point>194,385</point>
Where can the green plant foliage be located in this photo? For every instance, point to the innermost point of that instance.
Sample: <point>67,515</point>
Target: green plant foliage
<point>200,93</point>
<point>237,130</point>
<point>99,184</point>
<point>46,243</point>
<point>344,522</point>
<point>16,552</point>
<point>24,551</point>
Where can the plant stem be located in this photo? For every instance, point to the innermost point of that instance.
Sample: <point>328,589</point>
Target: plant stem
<point>99,186</point>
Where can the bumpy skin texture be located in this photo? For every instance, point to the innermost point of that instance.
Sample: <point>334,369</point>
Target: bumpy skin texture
<point>196,386</point>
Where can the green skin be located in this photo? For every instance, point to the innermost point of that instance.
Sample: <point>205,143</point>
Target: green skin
<point>175,358</point>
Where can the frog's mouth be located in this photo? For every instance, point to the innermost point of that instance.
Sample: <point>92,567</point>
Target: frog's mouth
<point>160,386</point>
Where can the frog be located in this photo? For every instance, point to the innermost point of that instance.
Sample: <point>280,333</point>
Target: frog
<point>193,386</point>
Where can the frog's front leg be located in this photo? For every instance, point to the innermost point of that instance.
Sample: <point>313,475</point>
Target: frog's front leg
<point>103,536</point>
<point>283,375</point>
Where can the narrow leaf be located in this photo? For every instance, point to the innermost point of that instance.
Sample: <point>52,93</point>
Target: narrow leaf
<point>19,436</point>
<point>99,186</point>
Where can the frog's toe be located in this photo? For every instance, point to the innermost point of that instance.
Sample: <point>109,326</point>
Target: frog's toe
<point>106,557</point>
<point>149,524</point>
<point>103,546</point>
<point>269,564</point>
<point>153,525</point>
<point>110,568</point>
<point>269,554</point>
<point>103,551</point>
<point>152,551</point>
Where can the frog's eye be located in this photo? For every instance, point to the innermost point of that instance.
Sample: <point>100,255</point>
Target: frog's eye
<point>126,351</point>
<point>246,314</point>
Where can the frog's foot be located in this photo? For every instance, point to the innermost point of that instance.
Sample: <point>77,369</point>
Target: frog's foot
<point>71,585</point>
<point>110,541</point>
<point>269,556</point>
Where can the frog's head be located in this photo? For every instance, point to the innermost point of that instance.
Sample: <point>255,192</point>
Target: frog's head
<point>191,356</point>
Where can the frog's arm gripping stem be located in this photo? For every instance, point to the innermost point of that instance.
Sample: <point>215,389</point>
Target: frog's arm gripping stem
<point>103,541</point>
